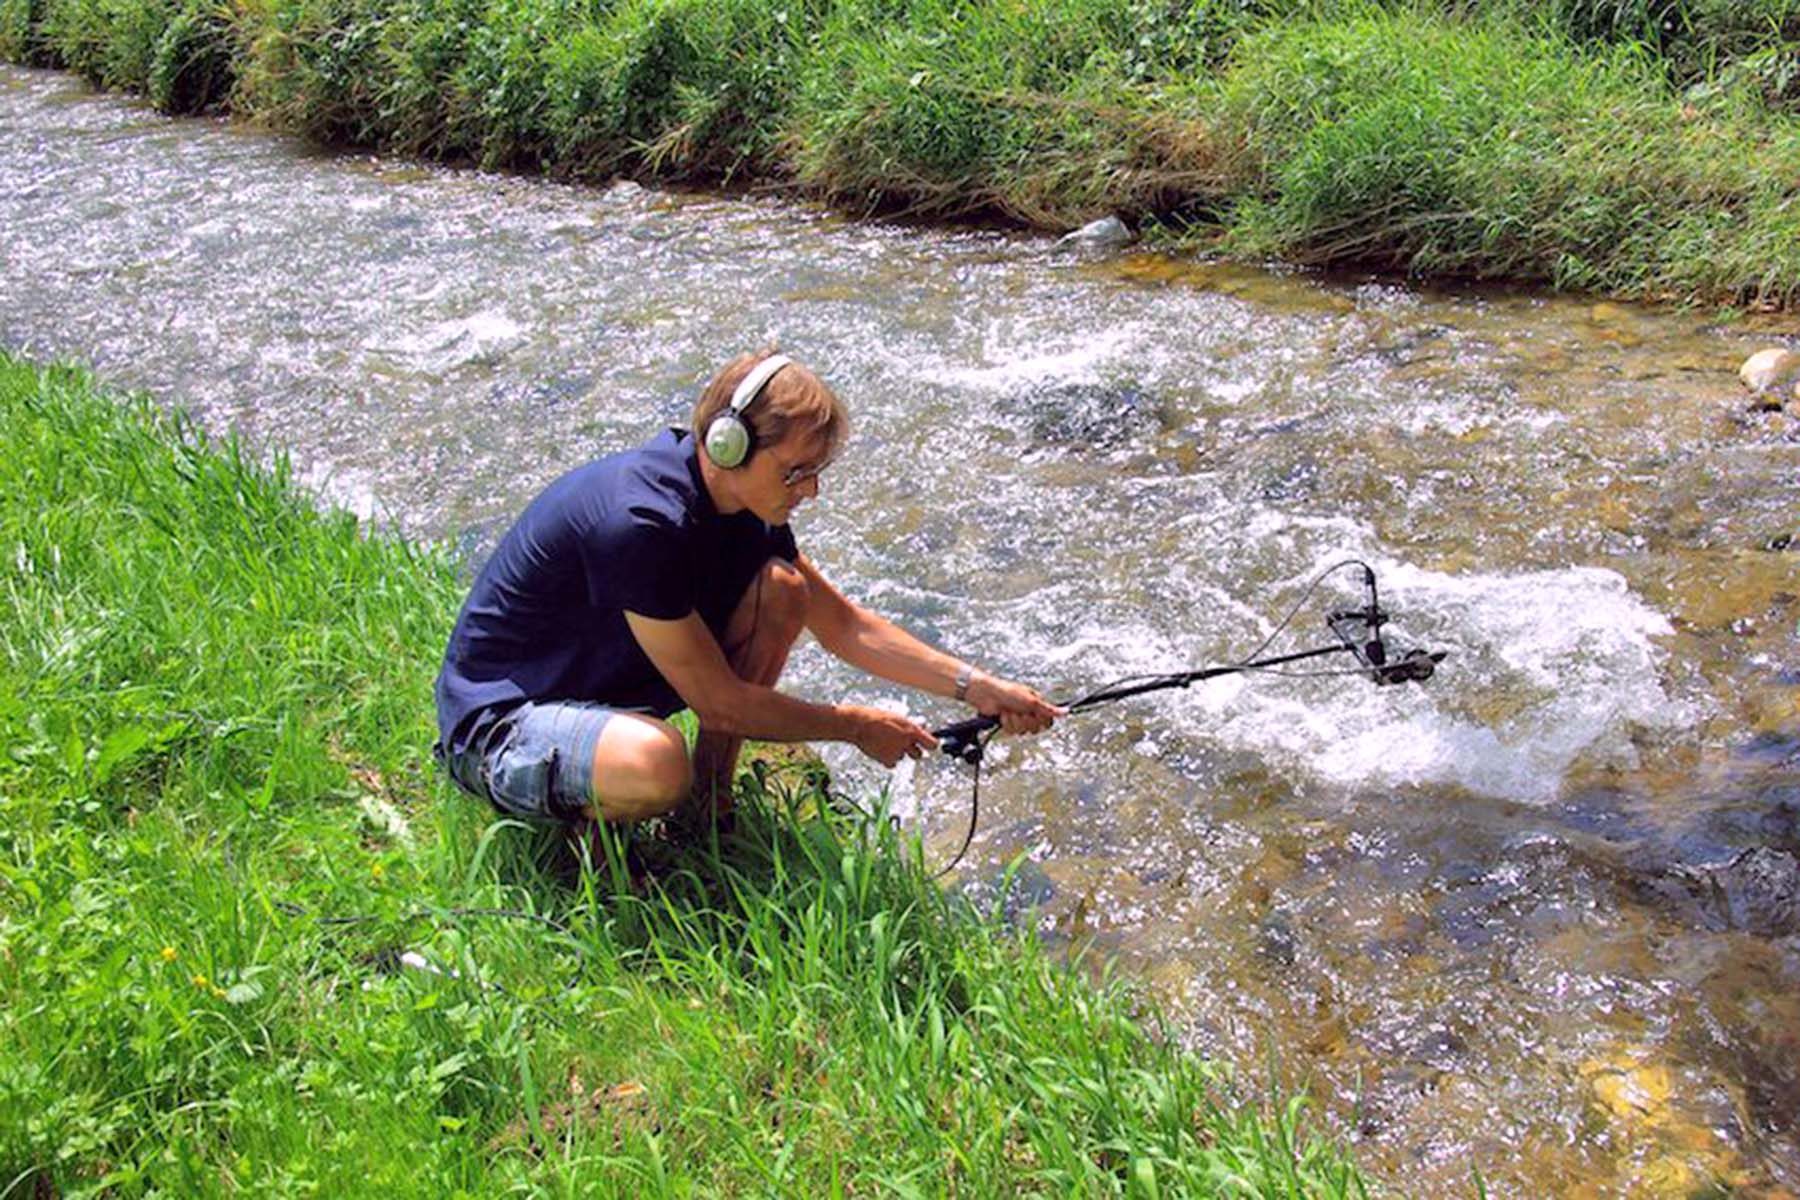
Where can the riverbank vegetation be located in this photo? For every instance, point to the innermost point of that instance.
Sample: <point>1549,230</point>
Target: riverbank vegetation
<point>1647,148</point>
<point>250,943</point>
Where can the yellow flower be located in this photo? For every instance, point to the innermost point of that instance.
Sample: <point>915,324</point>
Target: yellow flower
<point>200,981</point>
<point>168,953</point>
<point>218,993</point>
<point>377,870</point>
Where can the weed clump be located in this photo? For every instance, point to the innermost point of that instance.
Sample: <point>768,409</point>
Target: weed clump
<point>1693,40</point>
<point>23,37</point>
<point>1038,111</point>
<point>1469,148</point>
<point>678,88</point>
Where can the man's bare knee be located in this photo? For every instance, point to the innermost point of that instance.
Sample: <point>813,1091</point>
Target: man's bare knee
<point>641,768</point>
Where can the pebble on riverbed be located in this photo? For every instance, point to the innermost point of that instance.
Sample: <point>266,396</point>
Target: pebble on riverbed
<point>1663,1150</point>
<point>1773,377</point>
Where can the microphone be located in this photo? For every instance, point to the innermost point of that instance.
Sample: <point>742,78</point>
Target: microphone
<point>1360,631</point>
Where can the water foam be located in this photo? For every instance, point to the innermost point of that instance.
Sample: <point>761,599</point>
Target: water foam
<point>1010,368</point>
<point>1548,670</point>
<point>483,337</point>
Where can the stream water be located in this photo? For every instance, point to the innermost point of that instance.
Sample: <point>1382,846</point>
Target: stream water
<point>1539,916</point>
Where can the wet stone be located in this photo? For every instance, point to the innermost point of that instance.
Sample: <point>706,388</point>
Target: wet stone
<point>1103,234</point>
<point>1299,482</point>
<point>1602,812</point>
<point>548,391</point>
<point>1780,824</point>
<point>1391,1094</point>
<point>397,222</point>
<point>1770,373</point>
<point>1032,889</point>
<point>785,770</point>
<point>1761,889</point>
<point>1757,891</point>
<point>1277,943</point>
<point>1629,1090</point>
<point>1643,1104</point>
<point>1439,1047</point>
<point>1089,416</point>
<point>1414,346</point>
<point>1774,711</point>
<point>471,545</point>
<point>1771,1078</point>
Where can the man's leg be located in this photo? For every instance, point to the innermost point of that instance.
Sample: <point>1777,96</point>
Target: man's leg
<point>575,759</point>
<point>641,769</point>
<point>763,628</point>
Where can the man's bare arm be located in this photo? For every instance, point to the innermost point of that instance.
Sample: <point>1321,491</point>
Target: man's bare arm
<point>873,643</point>
<point>685,652</point>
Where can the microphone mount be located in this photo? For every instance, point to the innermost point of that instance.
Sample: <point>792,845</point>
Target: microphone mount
<point>1359,629</point>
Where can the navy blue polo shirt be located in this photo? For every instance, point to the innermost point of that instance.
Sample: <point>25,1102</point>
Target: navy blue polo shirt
<point>631,532</point>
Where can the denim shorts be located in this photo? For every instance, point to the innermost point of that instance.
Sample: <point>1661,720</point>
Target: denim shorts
<point>537,762</point>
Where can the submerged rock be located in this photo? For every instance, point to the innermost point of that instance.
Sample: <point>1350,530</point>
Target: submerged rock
<point>1101,416</point>
<point>1276,942</point>
<point>1647,1105</point>
<point>1632,1091</point>
<point>1029,891</point>
<point>1757,892</point>
<point>1103,234</point>
<point>1773,376</point>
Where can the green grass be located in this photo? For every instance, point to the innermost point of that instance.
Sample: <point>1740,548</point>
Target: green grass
<point>220,828</point>
<point>1694,39</point>
<point>1476,148</point>
<point>1647,148</point>
<point>1038,110</point>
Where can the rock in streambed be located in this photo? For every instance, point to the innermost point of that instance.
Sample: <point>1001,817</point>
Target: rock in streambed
<point>1105,234</point>
<point>1773,377</point>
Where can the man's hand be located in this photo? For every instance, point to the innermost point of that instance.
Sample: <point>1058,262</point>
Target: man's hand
<point>887,737</point>
<point>1020,709</point>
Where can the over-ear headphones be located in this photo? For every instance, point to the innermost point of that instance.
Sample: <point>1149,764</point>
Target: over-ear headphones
<point>728,439</point>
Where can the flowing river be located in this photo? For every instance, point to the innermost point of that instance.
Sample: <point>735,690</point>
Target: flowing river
<point>1540,915</point>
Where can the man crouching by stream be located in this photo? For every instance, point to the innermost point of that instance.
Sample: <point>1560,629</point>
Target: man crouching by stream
<point>667,577</point>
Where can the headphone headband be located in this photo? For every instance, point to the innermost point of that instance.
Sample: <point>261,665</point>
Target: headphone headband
<point>755,381</point>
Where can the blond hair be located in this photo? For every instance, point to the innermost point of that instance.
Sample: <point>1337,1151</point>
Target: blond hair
<point>794,401</point>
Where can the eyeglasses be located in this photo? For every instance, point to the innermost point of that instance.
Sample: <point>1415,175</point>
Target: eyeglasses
<point>795,476</point>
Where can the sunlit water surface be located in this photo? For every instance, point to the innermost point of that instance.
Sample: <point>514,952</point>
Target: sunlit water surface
<point>1538,916</point>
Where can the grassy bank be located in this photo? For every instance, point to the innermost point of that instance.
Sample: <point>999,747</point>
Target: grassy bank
<point>220,831</point>
<point>1647,148</point>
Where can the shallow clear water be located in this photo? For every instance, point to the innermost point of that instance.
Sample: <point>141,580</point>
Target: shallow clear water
<point>1541,915</point>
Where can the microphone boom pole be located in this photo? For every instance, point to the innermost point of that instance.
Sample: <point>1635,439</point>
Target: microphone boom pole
<point>1358,632</point>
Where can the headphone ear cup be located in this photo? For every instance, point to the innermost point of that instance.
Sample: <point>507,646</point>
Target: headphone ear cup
<point>728,440</point>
